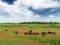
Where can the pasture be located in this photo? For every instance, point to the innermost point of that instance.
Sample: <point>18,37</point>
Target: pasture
<point>13,34</point>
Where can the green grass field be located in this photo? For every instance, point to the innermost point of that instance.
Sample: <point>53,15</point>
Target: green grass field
<point>10,38</point>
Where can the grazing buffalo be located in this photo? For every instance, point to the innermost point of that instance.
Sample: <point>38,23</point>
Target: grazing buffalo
<point>51,33</point>
<point>35,33</point>
<point>31,33</point>
<point>16,32</point>
<point>43,33</point>
<point>6,30</point>
<point>25,33</point>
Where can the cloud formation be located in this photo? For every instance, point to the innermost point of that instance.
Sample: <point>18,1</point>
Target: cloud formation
<point>9,1</point>
<point>29,10</point>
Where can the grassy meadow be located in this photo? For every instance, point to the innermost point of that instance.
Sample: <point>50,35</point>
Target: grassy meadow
<point>10,38</point>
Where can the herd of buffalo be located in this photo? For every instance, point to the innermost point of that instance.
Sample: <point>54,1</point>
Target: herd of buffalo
<point>35,33</point>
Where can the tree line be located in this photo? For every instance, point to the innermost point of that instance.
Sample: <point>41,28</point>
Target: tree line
<point>40,23</point>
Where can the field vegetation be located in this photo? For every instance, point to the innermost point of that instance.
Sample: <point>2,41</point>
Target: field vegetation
<point>13,34</point>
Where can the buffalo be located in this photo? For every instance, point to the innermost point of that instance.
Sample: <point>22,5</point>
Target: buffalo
<point>6,30</point>
<point>16,32</point>
<point>51,33</point>
<point>31,33</point>
<point>43,33</point>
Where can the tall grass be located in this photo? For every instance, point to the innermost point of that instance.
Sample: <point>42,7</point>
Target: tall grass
<point>40,39</point>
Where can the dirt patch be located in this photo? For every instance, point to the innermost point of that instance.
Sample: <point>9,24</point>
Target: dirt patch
<point>3,35</point>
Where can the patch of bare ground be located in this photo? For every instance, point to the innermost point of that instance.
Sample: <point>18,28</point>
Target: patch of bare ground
<point>3,35</point>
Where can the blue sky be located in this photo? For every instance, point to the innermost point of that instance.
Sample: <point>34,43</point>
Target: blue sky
<point>9,1</point>
<point>15,11</point>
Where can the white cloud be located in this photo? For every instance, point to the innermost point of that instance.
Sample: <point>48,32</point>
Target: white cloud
<point>36,4</point>
<point>51,16</point>
<point>19,10</point>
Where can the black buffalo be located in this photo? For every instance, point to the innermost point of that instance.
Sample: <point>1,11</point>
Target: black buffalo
<point>43,33</point>
<point>51,33</point>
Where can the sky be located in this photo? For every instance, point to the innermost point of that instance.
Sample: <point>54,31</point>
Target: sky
<point>15,11</point>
